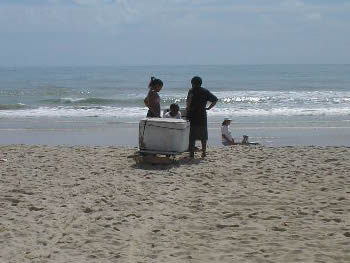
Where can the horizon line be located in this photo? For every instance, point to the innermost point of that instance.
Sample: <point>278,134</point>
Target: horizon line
<point>174,65</point>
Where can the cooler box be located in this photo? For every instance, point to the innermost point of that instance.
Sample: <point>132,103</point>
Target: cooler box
<point>163,135</point>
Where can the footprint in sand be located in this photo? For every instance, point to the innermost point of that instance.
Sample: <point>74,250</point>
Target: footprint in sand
<point>88,210</point>
<point>33,208</point>
<point>279,229</point>
<point>14,201</point>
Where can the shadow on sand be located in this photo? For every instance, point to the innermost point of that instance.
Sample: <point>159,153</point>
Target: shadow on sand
<point>154,162</point>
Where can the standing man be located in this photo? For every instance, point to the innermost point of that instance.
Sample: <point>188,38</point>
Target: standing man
<point>197,100</point>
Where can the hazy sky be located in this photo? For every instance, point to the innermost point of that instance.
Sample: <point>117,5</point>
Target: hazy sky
<point>129,32</point>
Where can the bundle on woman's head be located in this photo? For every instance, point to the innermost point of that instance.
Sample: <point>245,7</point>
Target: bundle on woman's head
<point>155,82</point>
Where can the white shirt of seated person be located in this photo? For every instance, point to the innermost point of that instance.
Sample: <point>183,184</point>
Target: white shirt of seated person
<point>225,131</point>
<point>177,116</point>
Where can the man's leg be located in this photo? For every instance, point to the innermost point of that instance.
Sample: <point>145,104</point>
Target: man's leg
<point>204,148</point>
<point>192,144</point>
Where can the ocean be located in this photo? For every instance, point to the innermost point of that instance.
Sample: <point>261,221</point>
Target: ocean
<point>281,102</point>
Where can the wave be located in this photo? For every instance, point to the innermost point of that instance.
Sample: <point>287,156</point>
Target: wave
<point>130,101</point>
<point>291,97</point>
<point>76,111</point>
<point>231,103</point>
<point>140,112</point>
<point>91,101</point>
<point>16,106</point>
<point>226,99</point>
<point>233,100</point>
<point>273,98</point>
<point>283,111</point>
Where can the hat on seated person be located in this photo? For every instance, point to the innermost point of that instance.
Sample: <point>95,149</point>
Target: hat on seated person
<point>227,119</point>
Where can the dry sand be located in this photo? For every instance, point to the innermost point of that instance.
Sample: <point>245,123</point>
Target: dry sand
<point>241,204</point>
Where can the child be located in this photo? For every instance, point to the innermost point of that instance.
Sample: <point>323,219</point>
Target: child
<point>226,134</point>
<point>174,112</point>
<point>152,101</point>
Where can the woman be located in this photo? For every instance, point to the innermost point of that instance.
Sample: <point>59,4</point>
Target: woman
<point>152,101</point>
<point>226,136</point>
<point>197,100</point>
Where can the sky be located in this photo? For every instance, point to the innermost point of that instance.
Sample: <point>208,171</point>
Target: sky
<point>173,32</point>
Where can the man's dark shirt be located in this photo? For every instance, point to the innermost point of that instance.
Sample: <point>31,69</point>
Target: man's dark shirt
<point>199,98</point>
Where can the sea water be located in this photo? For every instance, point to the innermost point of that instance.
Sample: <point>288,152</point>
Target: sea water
<point>256,97</point>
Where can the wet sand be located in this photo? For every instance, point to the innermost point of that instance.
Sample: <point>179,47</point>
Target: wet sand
<point>240,204</point>
<point>109,132</point>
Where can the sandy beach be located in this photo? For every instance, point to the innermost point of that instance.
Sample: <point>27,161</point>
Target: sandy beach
<point>240,204</point>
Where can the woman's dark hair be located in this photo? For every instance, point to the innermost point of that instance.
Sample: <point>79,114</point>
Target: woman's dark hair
<point>196,81</point>
<point>155,82</point>
<point>174,106</point>
<point>224,122</point>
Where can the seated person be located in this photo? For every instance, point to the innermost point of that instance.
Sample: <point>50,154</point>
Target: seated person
<point>226,134</point>
<point>227,137</point>
<point>174,112</point>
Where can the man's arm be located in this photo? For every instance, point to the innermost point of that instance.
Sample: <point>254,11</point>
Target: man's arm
<point>211,105</point>
<point>188,103</point>
<point>212,98</point>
